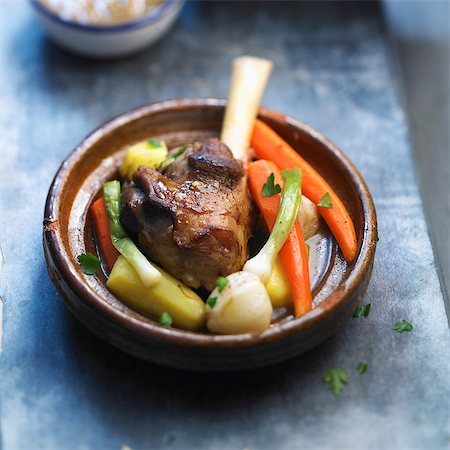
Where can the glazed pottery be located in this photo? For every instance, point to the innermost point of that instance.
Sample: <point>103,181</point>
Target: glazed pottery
<point>68,233</point>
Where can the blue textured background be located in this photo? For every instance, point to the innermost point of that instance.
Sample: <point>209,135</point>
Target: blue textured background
<point>63,388</point>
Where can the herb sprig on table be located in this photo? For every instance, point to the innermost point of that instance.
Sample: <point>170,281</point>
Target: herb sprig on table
<point>335,380</point>
<point>362,367</point>
<point>403,325</point>
<point>362,311</point>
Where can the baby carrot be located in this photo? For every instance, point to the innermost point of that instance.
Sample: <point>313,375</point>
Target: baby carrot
<point>109,252</point>
<point>270,146</point>
<point>293,255</point>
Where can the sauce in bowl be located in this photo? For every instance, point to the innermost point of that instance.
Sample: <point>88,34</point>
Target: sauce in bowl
<point>100,12</point>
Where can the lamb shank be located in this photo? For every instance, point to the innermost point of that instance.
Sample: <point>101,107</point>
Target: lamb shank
<point>195,219</point>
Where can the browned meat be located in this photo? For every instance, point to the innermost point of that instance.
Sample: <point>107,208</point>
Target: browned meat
<point>195,220</point>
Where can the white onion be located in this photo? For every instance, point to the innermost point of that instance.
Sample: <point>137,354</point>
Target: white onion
<point>243,306</point>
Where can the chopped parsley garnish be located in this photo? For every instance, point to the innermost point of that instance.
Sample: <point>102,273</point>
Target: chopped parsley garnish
<point>362,367</point>
<point>153,143</point>
<point>269,188</point>
<point>211,301</point>
<point>221,283</point>
<point>89,263</point>
<point>165,319</point>
<point>362,310</point>
<point>403,325</point>
<point>335,379</point>
<point>326,201</point>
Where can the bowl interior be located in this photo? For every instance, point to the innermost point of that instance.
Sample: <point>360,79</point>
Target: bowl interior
<point>96,160</point>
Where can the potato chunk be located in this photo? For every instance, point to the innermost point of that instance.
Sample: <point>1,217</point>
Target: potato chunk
<point>182,303</point>
<point>148,153</point>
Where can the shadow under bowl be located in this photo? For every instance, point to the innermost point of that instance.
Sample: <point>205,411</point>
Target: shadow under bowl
<point>67,233</point>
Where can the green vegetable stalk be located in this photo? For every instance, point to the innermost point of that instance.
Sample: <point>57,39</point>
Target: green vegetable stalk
<point>171,159</point>
<point>262,264</point>
<point>147,273</point>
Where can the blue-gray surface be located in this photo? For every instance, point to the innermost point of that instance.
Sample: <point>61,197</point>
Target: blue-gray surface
<point>61,387</point>
<point>421,34</point>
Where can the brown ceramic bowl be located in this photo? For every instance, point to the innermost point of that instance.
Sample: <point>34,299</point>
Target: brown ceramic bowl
<point>67,233</point>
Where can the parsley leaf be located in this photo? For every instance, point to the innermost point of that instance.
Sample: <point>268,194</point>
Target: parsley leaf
<point>165,319</point>
<point>362,310</point>
<point>269,188</point>
<point>211,301</point>
<point>402,326</point>
<point>221,283</point>
<point>362,367</point>
<point>335,379</point>
<point>326,201</point>
<point>89,263</point>
<point>153,143</point>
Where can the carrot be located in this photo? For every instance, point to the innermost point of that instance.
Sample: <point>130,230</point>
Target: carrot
<point>293,255</point>
<point>270,146</point>
<point>109,252</point>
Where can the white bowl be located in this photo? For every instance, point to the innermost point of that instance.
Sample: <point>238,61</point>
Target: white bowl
<point>109,41</point>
